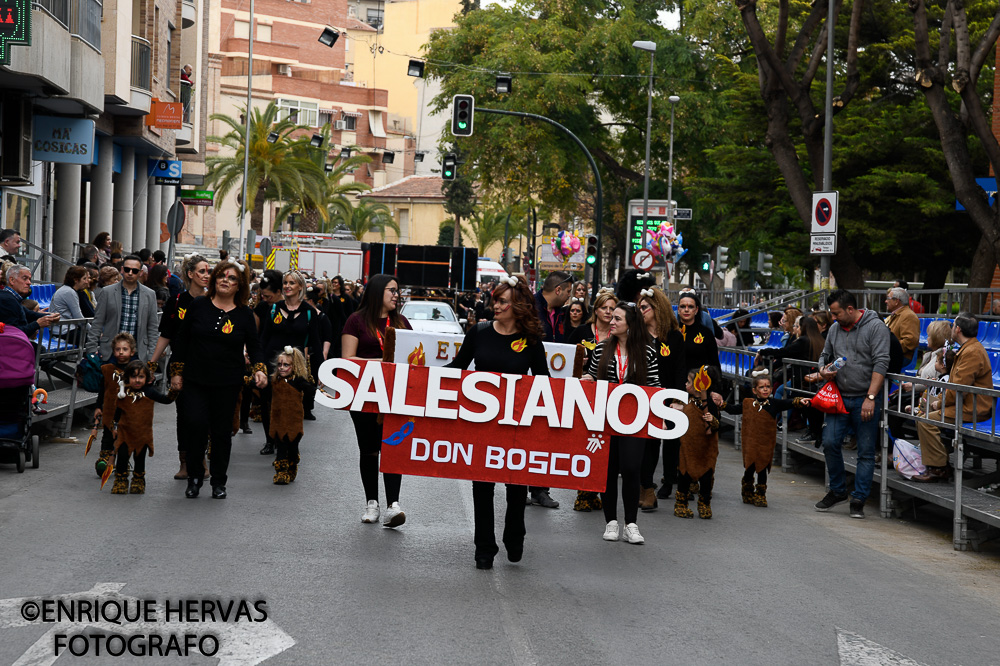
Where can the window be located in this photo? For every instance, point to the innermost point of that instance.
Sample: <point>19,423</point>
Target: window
<point>263,33</point>
<point>325,118</point>
<point>241,29</point>
<point>169,68</point>
<point>351,123</point>
<point>375,17</point>
<point>301,113</point>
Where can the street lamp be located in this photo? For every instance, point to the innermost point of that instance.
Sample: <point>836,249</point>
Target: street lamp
<point>328,37</point>
<point>670,162</point>
<point>651,48</point>
<point>345,153</point>
<point>503,83</point>
<point>415,69</point>
<point>272,137</point>
<point>316,141</point>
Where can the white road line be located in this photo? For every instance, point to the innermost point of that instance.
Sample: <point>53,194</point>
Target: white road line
<point>857,650</point>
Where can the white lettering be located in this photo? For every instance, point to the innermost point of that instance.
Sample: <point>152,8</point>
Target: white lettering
<point>579,471</point>
<point>464,451</point>
<point>556,457</point>
<point>437,395</point>
<point>539,458</point>
<point>426,450</point>
<point>678,419</point>
<point>508,404</point>
<point>371,388</point>
<point>343,393</point>
<point>438,446</point>
<point>641,412</point>
<point>540,392</point>
<point>487,400</point>
<point>520,463</point>
<point>399,405</point>
<point>494,457</point>
<point>575,400</point>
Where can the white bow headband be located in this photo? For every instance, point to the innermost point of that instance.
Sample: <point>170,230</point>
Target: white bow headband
<point>760,373</point>
<point>289,350</point>
<point>577,300</point>
<point>188,257</point>
<point>643,276</point>
<point>646,292</point>
<point>510,281</point>
<point>235,263</point>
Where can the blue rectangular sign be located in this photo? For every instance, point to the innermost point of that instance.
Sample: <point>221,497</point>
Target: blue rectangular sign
<point>165,172</point>
<point>65,140</point>
<point>988,184</point>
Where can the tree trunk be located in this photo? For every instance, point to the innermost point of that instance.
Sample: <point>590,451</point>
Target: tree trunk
<point>981,276</point>
<point>310,220</point>
<point>456,238</point>
<point>257,213</point>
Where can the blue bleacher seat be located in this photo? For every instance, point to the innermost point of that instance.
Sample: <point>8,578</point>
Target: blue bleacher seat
<point>991,338</point>
<point>988,426</point>
<point>924,323</point>
<point>759,320</point>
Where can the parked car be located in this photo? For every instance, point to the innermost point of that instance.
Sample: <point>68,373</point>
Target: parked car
<point>432,317</point>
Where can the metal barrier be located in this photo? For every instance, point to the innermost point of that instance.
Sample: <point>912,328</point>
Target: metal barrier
<point>735,364</point>
<point>53,346</point>
<point>943,302</point>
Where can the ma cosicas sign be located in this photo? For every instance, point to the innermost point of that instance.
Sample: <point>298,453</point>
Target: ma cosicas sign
<point>485,426</point>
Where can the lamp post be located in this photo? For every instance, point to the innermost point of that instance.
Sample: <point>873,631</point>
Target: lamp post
<point>670,162</point>
<point>651,48</point>
<point>246,140</point>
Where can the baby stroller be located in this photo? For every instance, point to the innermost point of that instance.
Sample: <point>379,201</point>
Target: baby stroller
<point>17,373</point>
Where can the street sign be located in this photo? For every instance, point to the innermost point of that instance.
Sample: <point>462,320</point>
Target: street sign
<point>165,172</point>
<point>683,214</point>
<point>824,212</point>
<point>175,218</point>
<point>265,247</point>
<point>196,197</point>
<point>559,266</point>
<point>643,260</point>
<point>656,214</point>
<point>823,244</point>
<point>251,241</point>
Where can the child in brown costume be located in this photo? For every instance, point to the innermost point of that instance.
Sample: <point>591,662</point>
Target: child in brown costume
<point>759,433</point>
<point>133,426</point>
<point>699,445</point>
<point>123,349</point>
<point>289,381</point>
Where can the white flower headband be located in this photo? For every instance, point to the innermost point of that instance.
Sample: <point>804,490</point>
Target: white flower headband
<point>289,350</point>
<point>646,292</point>
<point>510,281</point>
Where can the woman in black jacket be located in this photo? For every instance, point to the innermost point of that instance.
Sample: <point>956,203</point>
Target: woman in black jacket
<point>700,347</point>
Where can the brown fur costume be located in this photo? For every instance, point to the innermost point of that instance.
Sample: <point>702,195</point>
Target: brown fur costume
<point>135,420</point>
<point>699,449</point>
<point>287,412</point>
<point>111,374</point>
<point>759,434</point>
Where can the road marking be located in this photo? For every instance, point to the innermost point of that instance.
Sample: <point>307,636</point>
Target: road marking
<point>239,642</point>
<point>517,637</point>
<point>857,650</point>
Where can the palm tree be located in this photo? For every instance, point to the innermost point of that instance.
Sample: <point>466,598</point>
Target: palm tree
<point>277,171</point>
<point>486,227</point>
<point>369,216</point>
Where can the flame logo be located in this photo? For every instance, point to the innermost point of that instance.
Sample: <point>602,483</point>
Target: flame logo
<point>181,312</point>
<point>417,356</point>
<point>519,345</point>
<point>664,349</point>
<point>701,380</point>
<point>228,327</point>
<point>698,339</point>
<point>278,318</point>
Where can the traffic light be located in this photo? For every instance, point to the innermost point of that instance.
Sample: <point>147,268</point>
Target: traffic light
<point>462,109</point>
<point>721,258</point>
<point>591,257</point>
<point>449,167</point>
<point>764,263</point>
<point>745,261</point>
<point>530,252</point>
<point>706,262</point>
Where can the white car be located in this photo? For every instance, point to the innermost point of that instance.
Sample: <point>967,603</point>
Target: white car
<point>432,317</point>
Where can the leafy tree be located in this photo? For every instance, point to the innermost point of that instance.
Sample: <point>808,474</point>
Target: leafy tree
<point>277,171</point>
<point>460,198</point>
<point>446,234</point>
<point>486,227</point>
<point>367,217</point>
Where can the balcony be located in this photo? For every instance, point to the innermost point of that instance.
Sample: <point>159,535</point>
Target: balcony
<point>142,74</point>
<point>189,14</point>
<point>85,21</point>
<point>57,9</point>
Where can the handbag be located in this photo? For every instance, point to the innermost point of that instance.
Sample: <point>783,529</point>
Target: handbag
<point>829,400</point>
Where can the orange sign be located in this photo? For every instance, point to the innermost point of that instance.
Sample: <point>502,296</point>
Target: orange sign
<point>165,115</point>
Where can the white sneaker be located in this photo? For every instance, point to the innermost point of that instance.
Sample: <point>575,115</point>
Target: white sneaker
<point>611,531</point>
<point>371,513</point>
<point>632,534</point>
<point>394,516</point>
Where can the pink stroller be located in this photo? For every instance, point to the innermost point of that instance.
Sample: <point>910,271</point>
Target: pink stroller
<point>17,374</point>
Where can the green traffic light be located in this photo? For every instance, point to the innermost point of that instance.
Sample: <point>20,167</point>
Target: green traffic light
<point>462,125</point>
<point>591,259</point>
<point>447,173</point>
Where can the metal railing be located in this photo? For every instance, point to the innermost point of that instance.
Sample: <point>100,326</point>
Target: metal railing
<point>85,21</point>
<point>142,64</point>
<point>57,9</point>
<point>943,302</point>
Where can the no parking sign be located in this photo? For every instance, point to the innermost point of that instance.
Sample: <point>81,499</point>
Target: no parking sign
<point>824,212</point>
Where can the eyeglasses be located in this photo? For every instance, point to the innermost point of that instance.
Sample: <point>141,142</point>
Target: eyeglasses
<point>393,290</point>
<point>126,269</point>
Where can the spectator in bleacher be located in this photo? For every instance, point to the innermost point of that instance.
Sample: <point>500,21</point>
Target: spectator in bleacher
<point>10,244</point>
<point>87,296</point>
<point>106,277</point>
<point>90,255</point>
<point>102,243</point>
<point>995,307</point>
<point>787,324</point>
<point>913,303</point>
<point>130,308</point>
<point>807,346</point>
<point>823,321</point>
<point>741,329</point>
<point>66,300</point>
<point>860,337</point>
<point>12,311</point>
<point>971,368</point>
<point>116,260</point>
<point>902,322</point>
<point>157,277</point>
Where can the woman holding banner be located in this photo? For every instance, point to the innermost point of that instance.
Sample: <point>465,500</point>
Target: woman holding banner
<point>626,357</point>
<point>364,338</point>
<point>512,344</point>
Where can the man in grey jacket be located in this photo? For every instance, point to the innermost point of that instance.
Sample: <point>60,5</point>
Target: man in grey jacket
<point>860,337</point>
<point>127,307</point>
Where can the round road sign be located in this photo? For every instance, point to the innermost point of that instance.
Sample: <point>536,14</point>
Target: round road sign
<point>643,260</point>
<point>824,211</point>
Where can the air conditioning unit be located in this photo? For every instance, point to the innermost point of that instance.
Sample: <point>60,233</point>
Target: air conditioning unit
<point>15,140</point>
<point>340,124</point>
<point>285,70</point>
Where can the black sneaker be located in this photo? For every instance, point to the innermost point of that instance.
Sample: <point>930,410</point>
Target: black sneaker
<point>831,500</point>
<point>857,509</point>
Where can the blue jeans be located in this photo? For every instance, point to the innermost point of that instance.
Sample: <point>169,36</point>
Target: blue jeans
<point>867,435</point>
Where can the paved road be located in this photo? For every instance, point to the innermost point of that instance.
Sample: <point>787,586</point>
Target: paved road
<point>751,586</point>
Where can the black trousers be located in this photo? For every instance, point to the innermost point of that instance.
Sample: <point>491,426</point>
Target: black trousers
<point>107,440</point>
<point>288,450</point>
<point>369,432</point>
<point>245,404</point>
<point>208,411</point>
<point>705,484</point>
<point>625,458</point>
<point>650,458</point>
<point>122,456</point>
<point>761,475</point>
<point>513,522</point>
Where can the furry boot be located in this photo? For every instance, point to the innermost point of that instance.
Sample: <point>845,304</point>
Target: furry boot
<point>587,501</point>
<point>748,495</point>
<point>138,486</point>
<point>704,508</point>
<point>647,499</point>
<point>760,496</point>
<point>681,509</point>
<point>120,486</point>
<point>694,489</point>
<point>293,468</point>
<point>182,473</point>
<point>104,458</point>
<point>281,476</point>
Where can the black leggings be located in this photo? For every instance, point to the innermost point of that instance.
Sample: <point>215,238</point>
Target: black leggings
<point>369,432</point>
<point>245,404</point>
<point>208,411</point>
<point>288,450</point>
<point>705,485</point>
<point>761,475</point>
<point>624,457</point>
<point>122,456</point>
<point>107,440</point>
<point>513,522</point>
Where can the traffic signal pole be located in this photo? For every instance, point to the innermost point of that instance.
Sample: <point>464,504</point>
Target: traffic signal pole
<point>597,179</point>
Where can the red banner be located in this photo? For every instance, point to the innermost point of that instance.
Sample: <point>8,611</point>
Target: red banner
<point>483,426</point>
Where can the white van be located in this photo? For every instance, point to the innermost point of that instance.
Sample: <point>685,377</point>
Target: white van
<point>488,272</point>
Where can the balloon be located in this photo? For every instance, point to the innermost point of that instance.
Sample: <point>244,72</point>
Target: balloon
<point>574,243</point>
